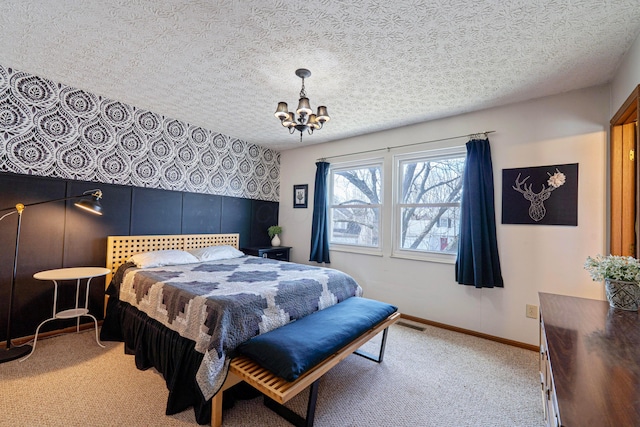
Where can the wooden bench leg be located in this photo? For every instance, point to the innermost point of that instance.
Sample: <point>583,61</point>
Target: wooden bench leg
<point>216,410</point>
<point>382,347</point>
<point>217,400</point>
<point>290,415</point>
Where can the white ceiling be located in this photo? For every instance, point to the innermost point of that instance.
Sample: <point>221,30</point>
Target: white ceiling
<point>376,64</point>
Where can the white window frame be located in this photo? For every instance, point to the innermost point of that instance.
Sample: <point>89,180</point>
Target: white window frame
<point>358,164</point>
<point>398,160</point>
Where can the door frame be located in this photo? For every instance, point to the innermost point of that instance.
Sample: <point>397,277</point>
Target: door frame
<point>623,177</point>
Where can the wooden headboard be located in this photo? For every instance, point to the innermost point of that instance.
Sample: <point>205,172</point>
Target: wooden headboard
<point>121,248</point>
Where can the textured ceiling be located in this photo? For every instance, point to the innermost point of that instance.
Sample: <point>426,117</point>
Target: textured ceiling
<point>376,64</point>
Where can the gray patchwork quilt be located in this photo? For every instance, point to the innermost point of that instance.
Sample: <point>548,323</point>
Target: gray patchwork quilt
<point>220,304</point>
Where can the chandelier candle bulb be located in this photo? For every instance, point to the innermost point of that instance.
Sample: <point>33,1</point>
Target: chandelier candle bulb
<point>289,121</point>
<point>282,111</point>
<point>304,108</point>
<point>313,122</point>
<point>323,116</point>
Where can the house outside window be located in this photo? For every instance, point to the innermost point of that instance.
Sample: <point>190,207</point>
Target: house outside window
<point>428,190</point>
<point>355,204</point>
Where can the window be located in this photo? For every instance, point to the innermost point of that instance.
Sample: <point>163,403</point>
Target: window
<point>355,204</point>
<point>427,206</point>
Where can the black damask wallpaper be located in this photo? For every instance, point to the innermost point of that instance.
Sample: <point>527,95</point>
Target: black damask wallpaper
<point>50,129</point>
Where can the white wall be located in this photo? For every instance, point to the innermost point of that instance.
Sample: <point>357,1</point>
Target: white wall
<point>627,77</point>
<point>568,128</point>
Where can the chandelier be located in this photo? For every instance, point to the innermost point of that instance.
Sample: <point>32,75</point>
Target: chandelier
<point>306,119</point>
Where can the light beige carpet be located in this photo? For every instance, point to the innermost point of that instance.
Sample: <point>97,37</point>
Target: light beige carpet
<point>430,378</point>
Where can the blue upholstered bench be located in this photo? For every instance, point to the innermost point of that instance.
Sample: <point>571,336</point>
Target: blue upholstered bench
<point>283,362</point>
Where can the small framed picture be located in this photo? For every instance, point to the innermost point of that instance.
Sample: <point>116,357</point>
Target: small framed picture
<point>300,193</point>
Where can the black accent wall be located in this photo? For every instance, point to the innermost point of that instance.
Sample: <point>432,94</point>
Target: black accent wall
<point>58,235</point>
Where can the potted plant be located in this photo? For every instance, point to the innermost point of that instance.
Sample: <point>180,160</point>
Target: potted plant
<point>621,275</point>
<point>274,232</point>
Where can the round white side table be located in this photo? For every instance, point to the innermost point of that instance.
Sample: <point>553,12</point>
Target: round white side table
<point>77,274</point>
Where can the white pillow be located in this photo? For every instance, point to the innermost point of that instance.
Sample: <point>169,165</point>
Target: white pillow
<point>216,253</point>
<point>160,258</point>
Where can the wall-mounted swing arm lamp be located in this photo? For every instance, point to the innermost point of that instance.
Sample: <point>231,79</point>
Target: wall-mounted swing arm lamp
<point>90,201</point>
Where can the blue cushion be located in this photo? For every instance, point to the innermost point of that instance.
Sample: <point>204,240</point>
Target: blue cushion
<point>296,347</point>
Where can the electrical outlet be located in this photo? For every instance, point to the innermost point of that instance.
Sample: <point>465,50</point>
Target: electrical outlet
<point>532,311</point>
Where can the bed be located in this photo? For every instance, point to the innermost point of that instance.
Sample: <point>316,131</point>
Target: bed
<point>186,319</point>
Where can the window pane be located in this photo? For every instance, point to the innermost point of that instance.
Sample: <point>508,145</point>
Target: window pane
<point>357,186</point>
<point>433,229</point>
<point>432,181</point>
<point>428,204</point>
<point>355,226</point>
<point>355,205</point>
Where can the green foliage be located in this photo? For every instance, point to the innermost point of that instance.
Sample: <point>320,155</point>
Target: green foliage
<point>273,230</point>
<point>613,267</point>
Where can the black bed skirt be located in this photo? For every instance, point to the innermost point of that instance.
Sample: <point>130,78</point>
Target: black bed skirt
<point>156,346</point>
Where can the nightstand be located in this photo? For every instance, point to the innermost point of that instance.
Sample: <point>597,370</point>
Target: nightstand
<point>274,252</point>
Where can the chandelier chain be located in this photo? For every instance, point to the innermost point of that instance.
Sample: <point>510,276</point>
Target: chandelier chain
<point>303,93</point>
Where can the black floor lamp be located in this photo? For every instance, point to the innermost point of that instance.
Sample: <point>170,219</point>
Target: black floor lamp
<point>91,205</point>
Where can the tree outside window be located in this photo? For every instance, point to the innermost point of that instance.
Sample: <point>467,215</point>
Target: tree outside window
<point>355,202</point>
<point>428,202</point>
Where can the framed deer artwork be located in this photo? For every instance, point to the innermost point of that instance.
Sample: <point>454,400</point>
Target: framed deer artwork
<point>542,195</point>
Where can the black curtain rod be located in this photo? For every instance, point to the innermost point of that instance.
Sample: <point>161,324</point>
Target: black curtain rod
<point>407,145</point>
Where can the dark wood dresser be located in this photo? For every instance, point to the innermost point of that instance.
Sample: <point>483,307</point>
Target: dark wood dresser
<point>589,363</point>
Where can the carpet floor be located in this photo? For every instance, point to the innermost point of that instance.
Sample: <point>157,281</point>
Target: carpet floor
<point>433,377</point>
